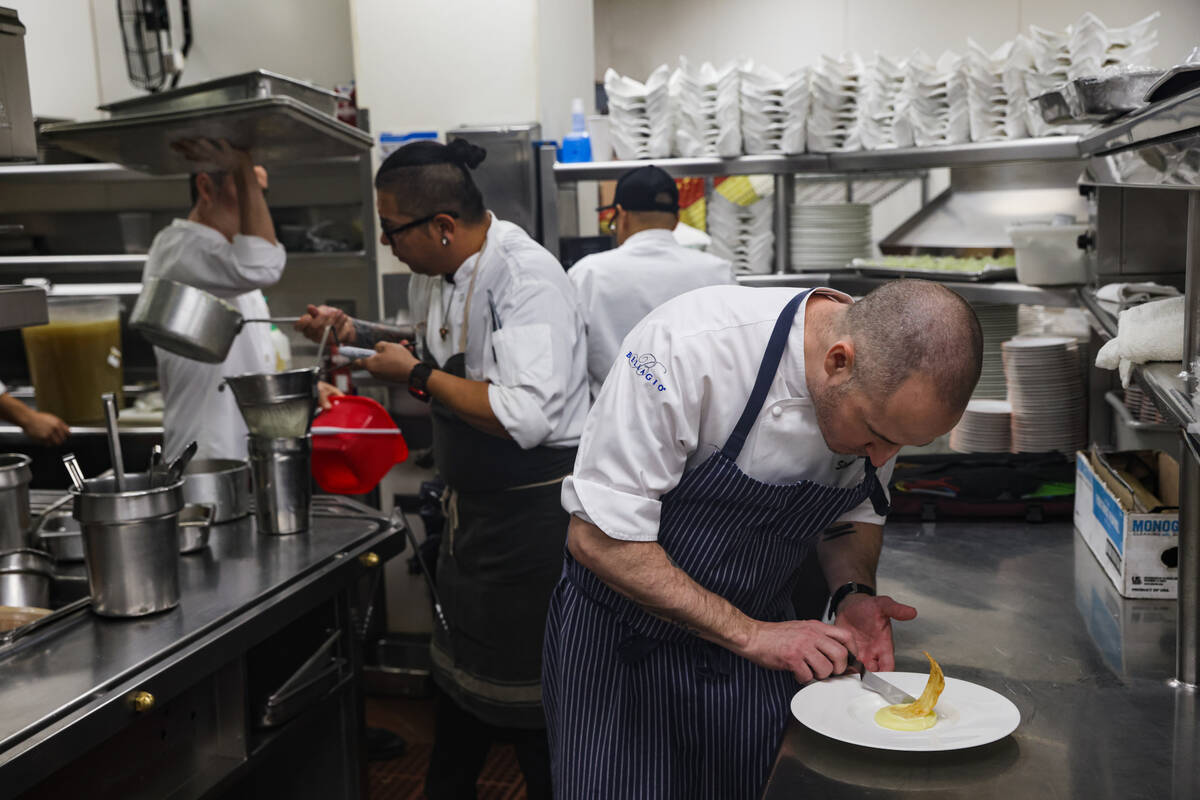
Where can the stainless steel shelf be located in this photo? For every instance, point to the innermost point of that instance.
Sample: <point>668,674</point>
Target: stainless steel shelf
<point>108,172</point>
<point>133,264</point>
<point>1163,381</point>
<point>1050,148</point>
<point>851,282</point>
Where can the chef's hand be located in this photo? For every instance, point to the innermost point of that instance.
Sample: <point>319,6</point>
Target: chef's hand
<point>313,324</point>
<point>45,428</point>
<point>391,362</point>
<point>869,621</point>
<point>326,391</point>
<point>215,154</point>
<point>809,649</point>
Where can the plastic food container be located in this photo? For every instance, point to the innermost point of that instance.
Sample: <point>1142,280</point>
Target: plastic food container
<point>1048,254</point>
<point>76,357</point>
<point>355,443</point>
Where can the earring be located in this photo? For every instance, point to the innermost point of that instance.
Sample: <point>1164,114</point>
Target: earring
<point>445,242</point>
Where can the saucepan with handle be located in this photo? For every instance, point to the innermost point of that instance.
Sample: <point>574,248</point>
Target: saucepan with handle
<point>188,321</point>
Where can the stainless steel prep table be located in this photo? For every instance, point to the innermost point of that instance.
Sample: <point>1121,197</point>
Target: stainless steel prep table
<point>1026,611</point>
<point>71,702</point>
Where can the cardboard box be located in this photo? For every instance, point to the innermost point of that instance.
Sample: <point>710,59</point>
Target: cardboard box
<point>1138,551</point>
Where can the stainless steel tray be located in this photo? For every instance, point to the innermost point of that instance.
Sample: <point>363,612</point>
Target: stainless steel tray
<point>876,268</point>
<point>256,85</point>
<point>276,130</point>
<point>1096,99</point>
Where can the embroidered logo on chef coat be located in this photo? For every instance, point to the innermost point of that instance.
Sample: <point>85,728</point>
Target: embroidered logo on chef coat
<point>648,368</point>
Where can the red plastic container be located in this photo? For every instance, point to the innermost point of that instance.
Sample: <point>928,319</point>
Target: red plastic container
<point>355,443</point>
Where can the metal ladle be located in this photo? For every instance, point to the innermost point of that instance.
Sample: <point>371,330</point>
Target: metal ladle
<point>114,439</point>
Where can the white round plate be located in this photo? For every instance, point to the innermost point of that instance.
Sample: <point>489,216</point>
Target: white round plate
<point>969,715</point>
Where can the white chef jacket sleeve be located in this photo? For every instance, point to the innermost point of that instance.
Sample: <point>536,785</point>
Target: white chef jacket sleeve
<point>531,374</point>
<point>225,270</point>
<point>639,433</point>
<point>865,511</point>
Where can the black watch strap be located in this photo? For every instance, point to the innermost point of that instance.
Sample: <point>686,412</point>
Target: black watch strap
<point>848,588</point>
<point>417,380</point>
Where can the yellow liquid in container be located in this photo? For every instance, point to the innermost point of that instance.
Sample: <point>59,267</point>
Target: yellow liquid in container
<point>76,358</point>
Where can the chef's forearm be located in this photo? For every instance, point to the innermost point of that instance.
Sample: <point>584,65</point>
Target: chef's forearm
<point>642,572</point>
<point>468,399</point>
<point>254,215</point>
<point>14,411</point>
<point>849,551</point>
<point>369,334</point>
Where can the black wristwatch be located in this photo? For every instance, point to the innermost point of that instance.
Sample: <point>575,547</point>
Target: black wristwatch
<point>848,588</point>
<point>417,380</point>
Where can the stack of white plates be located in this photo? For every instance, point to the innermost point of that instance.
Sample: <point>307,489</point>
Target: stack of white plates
<point>996,96</point>
<point>743,234</point>
<point>878,94</point>
<point>999,323</point>
<point>833,113</point>
<point>1046,392</point>
<point>639,115</point>
<point>705,102</point>
<point>829,237</point>
<point>931,107</point>
<point>774,109</point>
<point>984,428</point>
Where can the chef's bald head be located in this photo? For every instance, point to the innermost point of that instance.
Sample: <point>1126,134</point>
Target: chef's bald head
<point>910,327</point>
<point>430,177</point>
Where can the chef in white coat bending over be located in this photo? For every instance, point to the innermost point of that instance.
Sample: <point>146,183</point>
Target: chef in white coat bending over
<point>742,427</point>
<point>618,287</point>
<point>501,354</point>
<point>226,246</point>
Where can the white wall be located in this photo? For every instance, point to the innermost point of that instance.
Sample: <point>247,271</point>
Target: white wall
<point>60,55</point>
<point>635,36</point>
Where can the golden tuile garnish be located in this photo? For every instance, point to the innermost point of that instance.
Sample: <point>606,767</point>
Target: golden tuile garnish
<point>924,705</point>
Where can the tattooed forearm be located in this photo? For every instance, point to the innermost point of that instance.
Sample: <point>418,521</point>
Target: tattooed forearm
<point>838,530</point>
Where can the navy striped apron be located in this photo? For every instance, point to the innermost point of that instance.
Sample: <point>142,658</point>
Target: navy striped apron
<point>636,706</point>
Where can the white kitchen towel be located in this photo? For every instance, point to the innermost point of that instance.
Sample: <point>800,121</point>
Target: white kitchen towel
<point>1149,332</point>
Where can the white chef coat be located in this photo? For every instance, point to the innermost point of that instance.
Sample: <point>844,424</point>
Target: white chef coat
<point>193,406</point>
<point>618,287</point>
<point>675,395</point>
<point>533,353</point>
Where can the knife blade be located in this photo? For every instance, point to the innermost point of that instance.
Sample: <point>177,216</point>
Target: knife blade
<point>890,692</point>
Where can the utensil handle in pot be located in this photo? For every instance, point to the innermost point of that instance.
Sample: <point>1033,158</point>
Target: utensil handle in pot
<point>114,439</point>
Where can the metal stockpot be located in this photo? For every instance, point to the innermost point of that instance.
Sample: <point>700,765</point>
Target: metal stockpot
<point>14,500</point>
<point>131,540</point>
<point>223,483</point>
<point>188,321</point>
<point>25,578</point>
<point>282,472</point>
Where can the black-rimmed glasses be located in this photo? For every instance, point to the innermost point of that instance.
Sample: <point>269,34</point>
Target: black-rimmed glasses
<point>392,233</point>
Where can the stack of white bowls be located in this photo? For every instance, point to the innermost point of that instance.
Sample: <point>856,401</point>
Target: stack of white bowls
<point>707,117</point>
<point>1046,392</point>
<point>833,112</point>
<point>744,235</point>
<point>878,94</point>
<point>931,108</point>
<point>639,115</point>
<point>999,323</point>
<point>996,97</point>
<point>774,109</point>
<point>829,237</point>
<point>984,428</point>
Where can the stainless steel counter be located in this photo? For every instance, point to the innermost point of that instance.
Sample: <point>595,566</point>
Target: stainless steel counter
<point>1026,611</point>
<point>68,687</point>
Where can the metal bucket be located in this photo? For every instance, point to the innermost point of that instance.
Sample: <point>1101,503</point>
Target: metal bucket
<point>282,473</point>
<point>276,405</point>
<point>25,578</point>
<point>15,475</point>
<point>223,483</point>
<point>131,540</point>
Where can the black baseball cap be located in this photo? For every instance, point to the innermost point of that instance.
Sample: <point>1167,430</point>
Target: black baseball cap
<point>646,188</point>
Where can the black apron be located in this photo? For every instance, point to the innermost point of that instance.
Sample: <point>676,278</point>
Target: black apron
<point>500,558</point>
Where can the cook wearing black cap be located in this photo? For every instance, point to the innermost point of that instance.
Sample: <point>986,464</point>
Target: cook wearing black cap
<point>619,287</point>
